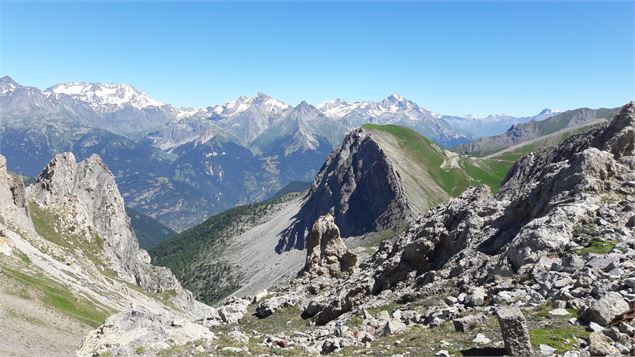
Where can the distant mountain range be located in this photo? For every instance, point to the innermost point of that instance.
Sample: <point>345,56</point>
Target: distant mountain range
<point>180,165</point>
<point>538,134</point>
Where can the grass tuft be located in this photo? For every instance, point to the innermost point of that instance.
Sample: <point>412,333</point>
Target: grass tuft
<point>598,246</point>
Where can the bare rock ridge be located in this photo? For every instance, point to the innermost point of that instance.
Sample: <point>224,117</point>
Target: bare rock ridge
<point>358,186</point>
<point>327,254</point>
<point>87,192</point>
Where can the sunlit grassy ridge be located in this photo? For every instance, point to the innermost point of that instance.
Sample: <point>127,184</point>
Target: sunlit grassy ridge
<point>453,180</point>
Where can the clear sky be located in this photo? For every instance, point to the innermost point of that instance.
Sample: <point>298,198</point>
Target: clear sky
<point>453,58</point>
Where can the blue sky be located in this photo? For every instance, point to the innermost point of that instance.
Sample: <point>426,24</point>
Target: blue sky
<point>454,58</point>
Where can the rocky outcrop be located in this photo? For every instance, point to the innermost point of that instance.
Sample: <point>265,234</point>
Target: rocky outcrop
<point>327,254</point>
<point>87,192</point>
<point>358,186</point>
<point>85,196</point>
<point>13,206</point>
<point>515,333</point>
<point>556,234</point>
<point>140,330</point>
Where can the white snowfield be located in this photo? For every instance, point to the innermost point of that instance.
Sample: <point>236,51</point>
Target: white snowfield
<point>104,96</point>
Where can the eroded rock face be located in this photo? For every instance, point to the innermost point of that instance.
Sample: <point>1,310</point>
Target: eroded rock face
<point>359,186</point>
<point>13,204</point>
<point>327,254</point>
<point>127,333</point>
<point>86,195</point>
<point>484,252</point>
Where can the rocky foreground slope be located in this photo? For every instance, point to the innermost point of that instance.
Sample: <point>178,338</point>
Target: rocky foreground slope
<point>544,266</point>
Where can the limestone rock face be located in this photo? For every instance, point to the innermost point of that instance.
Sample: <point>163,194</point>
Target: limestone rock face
<point>86,194</point>
<point>619,137</point>
<point>13,204</point>
<point>327,254</point>
<point>358,185</point>
<point>125,333</point>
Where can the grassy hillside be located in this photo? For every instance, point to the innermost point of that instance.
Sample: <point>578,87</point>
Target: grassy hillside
<point>452,173</point>
<point>565,123</point>
<point>148,230</point>
<point>514,153</point>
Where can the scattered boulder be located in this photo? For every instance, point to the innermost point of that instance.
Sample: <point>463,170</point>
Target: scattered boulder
<point>260,296</point>
<point>478,296</point>
<point>600,345</point>
<point>514,330</point>
<point>233,310</point>
<point>392,327</point>
<point>238,336</point>
<point>606,309</point>
<point>593,327</point>
<point>559,312</point>
<point>481,339</point>
<point>327,255</point>
<point>546,350</point>
<point>269,306</point>
<point>467,323</point>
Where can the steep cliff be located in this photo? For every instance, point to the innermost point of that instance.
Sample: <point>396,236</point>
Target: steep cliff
<point>86,194</point>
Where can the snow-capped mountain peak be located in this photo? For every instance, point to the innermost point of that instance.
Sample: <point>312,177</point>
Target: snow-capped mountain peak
<point>396,97</point>
<point>549,112</point>
<point>241,104</point>
<point>104,97</point>
<point>7,85</point>
<point>395,103</point>
<point>337,108</point>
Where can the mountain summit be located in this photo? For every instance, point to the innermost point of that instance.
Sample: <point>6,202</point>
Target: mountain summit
<point>104,97</point>
<point>382,176</point>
